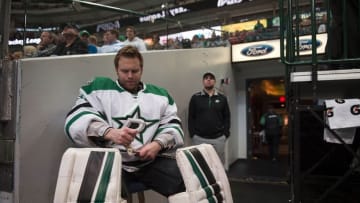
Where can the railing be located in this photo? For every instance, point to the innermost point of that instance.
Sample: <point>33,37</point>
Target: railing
<point>342,51</point>
<point>340,47</point>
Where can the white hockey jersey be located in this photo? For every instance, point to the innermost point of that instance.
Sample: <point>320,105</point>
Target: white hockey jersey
<point>106,101</point>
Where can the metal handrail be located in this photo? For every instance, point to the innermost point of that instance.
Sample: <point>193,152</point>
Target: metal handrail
<point>290,32</point>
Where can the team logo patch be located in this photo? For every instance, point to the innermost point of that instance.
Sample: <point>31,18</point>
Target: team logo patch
<point>136,114</point>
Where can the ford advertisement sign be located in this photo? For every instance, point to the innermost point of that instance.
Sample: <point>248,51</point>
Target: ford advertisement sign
<point>257,50</point>
<point>270,49</point>
<point>306,44</point>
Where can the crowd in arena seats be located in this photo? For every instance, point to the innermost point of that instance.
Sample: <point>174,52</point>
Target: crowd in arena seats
<point>74,41</point>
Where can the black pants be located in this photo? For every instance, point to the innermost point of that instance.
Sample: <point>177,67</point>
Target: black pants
<point>273,141</point>
<point>162,176</point>
<point>336,39</point>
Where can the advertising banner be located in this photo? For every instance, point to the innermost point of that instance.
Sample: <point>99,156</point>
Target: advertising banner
<point>271,49</point>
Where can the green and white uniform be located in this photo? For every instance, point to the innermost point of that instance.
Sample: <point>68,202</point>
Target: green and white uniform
<point>105,102</point>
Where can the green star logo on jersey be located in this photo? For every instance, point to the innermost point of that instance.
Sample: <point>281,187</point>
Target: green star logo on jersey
<point>136,114</point>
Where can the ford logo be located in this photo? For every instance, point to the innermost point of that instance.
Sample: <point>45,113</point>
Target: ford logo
<point>257,50</point>
<point>306,44</point>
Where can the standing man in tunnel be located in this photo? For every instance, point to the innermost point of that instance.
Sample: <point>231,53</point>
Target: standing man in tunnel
<point>209,116</point>
<point>272,124</point>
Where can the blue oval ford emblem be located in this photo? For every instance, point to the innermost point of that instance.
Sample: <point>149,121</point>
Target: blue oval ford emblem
<point>257,50</point>
<point>306,44</point>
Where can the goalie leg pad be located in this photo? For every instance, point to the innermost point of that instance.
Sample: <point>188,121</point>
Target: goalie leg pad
<point>204,175</point>
<point>89,174</point>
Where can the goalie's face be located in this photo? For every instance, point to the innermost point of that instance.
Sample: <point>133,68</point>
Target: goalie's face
<point>129,73</point>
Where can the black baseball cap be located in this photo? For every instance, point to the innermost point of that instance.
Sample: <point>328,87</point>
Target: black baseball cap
<point>208,73</point>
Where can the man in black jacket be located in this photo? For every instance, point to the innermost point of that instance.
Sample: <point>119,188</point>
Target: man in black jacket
<point>209,116</point>
<point>72,43</point>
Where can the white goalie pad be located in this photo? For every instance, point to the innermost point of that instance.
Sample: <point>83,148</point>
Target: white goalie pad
<point>204,176</point>
<point>89,175</point>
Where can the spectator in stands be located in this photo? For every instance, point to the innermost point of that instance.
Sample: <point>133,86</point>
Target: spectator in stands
<point>305,26</point>
<point>59,38</point>
<point>133,40</point>
<point>111,42</point>
<point>30,51</point>
<point>186,43</point>
<point>224,39</point>
<point>84,35</point>
<point>259,27</point>
<point>178,43</point>
<point>233,39</point>
<point>258,31</point>
<point>156,43</point>
<point>250,36</point>
<point>322,26</point>
<point>92,44</point>
<point>202,40</point>
<point>171,44</point>
<point>212,41</point>
<point>47,44</point>
<point>196,42</point>
<point>72,43</point>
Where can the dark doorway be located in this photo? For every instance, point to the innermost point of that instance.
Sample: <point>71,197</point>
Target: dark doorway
<point>263,92</point>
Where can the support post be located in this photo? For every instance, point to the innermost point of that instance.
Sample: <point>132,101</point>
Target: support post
<point>5,7</point>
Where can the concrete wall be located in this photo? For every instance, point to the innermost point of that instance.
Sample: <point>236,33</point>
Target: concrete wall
<point>48,88</point>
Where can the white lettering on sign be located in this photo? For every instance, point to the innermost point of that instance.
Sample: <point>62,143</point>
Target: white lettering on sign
<point>255,52</point>
<point>304,47</point>
<point>152,17</point>
<point>178,10</point>
<point>28,41</point>
<point>108,26</point>
<point>222,3</point>
<point>162,14</point>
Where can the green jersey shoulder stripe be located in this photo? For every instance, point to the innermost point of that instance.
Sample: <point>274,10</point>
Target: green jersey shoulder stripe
<point>67,127</point>
<point>101,83</point>
<point>158,91</point>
